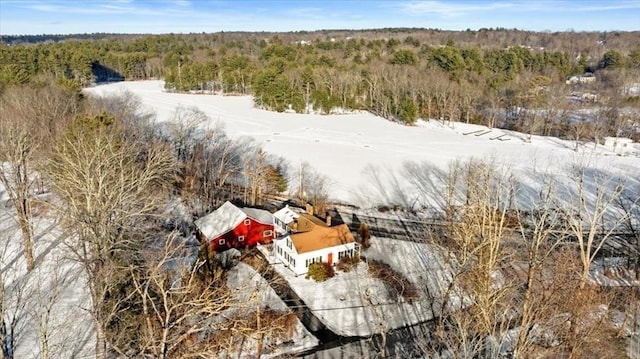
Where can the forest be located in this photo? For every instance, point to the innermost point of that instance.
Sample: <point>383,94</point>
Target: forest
<point>496,77</point>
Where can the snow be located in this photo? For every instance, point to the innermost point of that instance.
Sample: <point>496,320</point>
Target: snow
<point>56,286</point>
<point>612,272</point>
<point>252,287</point>
<point>352,149</point>
<point>357,304</point>
<point>220,221</point>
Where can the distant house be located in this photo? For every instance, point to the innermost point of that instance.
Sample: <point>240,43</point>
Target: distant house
<point>232,227</point>
<point>586,78</point>
<point>310,240</point>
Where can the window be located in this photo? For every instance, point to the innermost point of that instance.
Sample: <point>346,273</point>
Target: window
<point>309,262</point>
<point>247,222</point>
<point>347,253</point>
<point>241,239</point>
<point>222,242</point>
<point>267,233</point>
<point>289,244</point>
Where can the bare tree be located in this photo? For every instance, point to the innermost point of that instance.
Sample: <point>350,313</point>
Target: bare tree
<point>13,301</point>
<point>28,122</point>
<point>184,130</point>
<point>312,186</point>
<point>476,237</point>
<point>590,214</point>
<point>108,188</point>
<point>17,147</point>
<point>222,163</point>
<point>177,304</point>
<point>629,203</point>
<point>542,232</point>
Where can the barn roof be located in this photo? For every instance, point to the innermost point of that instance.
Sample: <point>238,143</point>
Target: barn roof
<point>259,215</point>
<point>220,221</point>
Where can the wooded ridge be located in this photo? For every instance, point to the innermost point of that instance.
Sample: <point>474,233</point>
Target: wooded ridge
<point>486,77</point>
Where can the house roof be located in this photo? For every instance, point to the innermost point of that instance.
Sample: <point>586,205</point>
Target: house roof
<point>286,215</point>
<point>220,221</point>
<point>319,237</point>
<point>259,215</point>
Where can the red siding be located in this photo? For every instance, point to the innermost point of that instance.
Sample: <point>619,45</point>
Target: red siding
<point>253,234</point>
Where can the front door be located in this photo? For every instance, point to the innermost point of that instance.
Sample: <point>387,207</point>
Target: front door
<point>330,258</point>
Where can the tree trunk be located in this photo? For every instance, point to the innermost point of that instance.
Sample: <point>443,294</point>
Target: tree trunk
<point>525,322</point>
<point>637,269</point>
<point>27,241</point>
<point>101,341</point>
<point>4,350</point>
<point>584,277</point>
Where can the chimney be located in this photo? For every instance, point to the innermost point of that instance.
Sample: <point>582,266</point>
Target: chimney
<point>328,221</point>
<point>309,209</point>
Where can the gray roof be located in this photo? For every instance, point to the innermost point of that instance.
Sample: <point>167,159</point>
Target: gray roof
<point>220,221</point>
<point>259,215</point>
<point>286,215</point>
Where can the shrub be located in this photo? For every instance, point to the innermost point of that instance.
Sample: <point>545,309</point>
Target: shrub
<point>363,232</point>
<point>396,283</point>
<point>346,264</point>
<point>320,272</point>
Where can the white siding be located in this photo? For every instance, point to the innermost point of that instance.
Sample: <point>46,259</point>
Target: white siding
<point>285,252</point>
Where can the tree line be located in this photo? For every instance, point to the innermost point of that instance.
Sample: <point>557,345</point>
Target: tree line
<point>480,77</point>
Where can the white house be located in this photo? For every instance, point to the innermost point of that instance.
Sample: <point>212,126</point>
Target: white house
<point>313,241</point>
<point>283,218</point>
<point>586,78</point>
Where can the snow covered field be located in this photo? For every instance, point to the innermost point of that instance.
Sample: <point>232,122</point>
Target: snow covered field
<point>346,147</point>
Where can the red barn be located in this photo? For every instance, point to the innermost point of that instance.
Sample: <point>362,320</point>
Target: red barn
<point>233,227</point>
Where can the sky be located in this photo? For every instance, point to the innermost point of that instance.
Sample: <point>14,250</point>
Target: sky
<point>29,17</point>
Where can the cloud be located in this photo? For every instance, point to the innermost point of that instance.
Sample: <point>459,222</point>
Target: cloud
<point>43,7</point>
<point>461,8</point>
<point>307,12</point>
<point>112,7</point>
<point>449,9</point>
<point>607,6</point>
<point>182,3</point>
